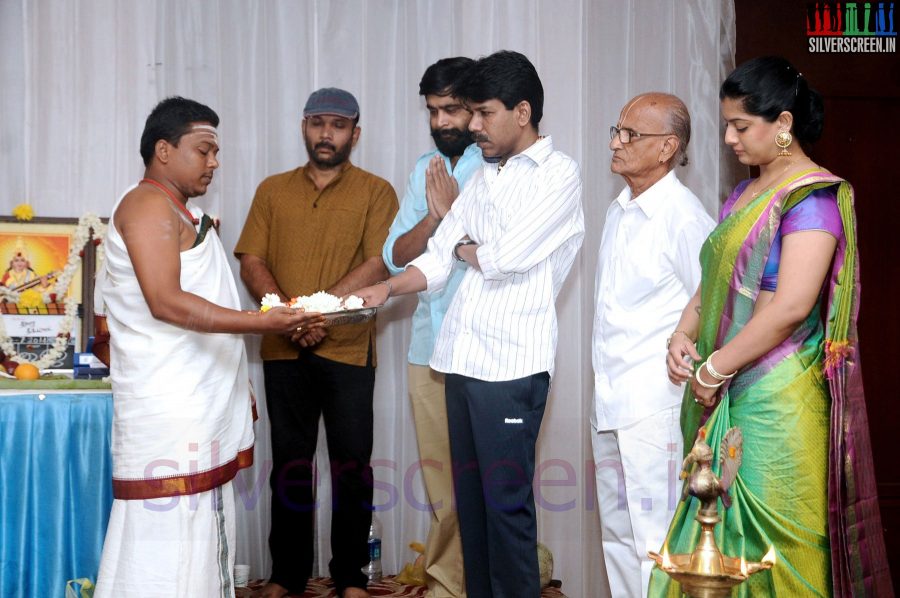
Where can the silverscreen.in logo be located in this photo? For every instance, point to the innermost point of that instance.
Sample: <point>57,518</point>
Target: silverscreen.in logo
<point>851,27</point>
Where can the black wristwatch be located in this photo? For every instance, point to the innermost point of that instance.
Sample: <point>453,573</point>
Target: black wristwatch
<point>461,244</point>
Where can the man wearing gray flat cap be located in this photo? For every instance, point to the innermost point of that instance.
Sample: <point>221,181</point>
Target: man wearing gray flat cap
<point>319,227</point>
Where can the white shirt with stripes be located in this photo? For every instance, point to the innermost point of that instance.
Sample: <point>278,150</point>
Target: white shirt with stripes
<point>528,221</point>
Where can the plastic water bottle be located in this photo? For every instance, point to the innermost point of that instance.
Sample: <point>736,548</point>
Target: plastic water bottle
<point>373,569</point>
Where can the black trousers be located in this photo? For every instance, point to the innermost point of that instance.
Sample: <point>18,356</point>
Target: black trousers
<point>297,393</point>
<point>493,431</point>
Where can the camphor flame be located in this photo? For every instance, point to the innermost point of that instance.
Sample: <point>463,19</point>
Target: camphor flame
<point>770,556</point>
<point>743,566</point>
<point>666,561</point>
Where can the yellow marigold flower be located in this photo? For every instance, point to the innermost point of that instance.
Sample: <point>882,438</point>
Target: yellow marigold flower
<point>30,298</point>
<point>23,211</point>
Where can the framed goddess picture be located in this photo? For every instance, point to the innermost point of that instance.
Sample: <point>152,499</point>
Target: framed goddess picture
<point>33,257</point>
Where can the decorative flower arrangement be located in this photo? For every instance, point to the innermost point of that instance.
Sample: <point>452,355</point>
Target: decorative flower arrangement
<point>269,301</point>
<point>23,211</point>
<point>320,302</point>
<point>90,227</point>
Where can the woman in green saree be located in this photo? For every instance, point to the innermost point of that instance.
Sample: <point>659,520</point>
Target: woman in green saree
<point>772,331</point>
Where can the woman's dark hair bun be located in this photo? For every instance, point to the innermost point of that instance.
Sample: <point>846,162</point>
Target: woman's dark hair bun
<point>770,85</point>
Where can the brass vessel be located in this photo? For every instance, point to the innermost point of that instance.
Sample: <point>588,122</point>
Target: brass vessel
<point>706,572</point>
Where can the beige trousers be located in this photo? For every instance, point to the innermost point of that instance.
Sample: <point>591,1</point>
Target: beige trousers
<point>443,548</point>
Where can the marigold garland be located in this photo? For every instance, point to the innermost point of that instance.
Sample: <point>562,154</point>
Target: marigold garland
<point>90,228</point>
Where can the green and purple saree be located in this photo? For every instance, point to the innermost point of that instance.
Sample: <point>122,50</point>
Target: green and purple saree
<point>806,485</point>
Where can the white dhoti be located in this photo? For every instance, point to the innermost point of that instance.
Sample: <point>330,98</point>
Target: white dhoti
<point>176,547</point>
<point>637,490</point>
<point>182,428</point>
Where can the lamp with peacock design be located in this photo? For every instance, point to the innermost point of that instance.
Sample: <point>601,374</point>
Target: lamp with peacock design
<point>706,572</point>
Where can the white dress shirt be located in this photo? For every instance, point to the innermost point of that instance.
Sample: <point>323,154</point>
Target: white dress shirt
<point>529,224</point>
<point>648,270</point>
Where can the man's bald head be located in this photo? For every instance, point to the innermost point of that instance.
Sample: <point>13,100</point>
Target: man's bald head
<point>673,115</point>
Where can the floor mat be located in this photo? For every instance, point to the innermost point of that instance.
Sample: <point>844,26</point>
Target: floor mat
<point>322,587</point>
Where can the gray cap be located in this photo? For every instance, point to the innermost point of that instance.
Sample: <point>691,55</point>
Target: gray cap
<point>331,100</point>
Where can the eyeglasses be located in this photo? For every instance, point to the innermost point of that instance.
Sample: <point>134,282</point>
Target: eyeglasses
<point>627,135</point>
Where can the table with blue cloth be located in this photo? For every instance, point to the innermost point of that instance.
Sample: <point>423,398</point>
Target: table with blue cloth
<point>55,488</point>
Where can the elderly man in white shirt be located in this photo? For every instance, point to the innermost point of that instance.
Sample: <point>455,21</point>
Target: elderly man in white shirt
<point>517,225</point>
<point>647,271</point>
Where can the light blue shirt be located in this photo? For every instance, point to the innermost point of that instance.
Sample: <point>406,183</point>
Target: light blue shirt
<point>426,321</point>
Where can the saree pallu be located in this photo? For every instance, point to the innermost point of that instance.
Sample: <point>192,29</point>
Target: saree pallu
<point>806,485</point>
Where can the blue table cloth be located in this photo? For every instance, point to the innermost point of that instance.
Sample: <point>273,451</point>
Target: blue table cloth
<point>55,489</point>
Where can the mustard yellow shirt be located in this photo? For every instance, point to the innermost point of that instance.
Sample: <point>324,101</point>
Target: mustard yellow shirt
<point>311,238</point>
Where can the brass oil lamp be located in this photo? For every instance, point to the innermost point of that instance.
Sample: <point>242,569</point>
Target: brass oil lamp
<point>706,572</point>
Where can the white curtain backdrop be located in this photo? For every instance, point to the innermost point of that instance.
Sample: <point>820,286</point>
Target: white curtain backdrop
<point>80,77</point>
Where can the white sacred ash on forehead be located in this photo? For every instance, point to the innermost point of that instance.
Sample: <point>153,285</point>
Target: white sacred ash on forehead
<point>206,131</point>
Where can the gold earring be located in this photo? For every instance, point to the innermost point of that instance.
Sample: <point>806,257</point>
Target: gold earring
<point>784,139</point>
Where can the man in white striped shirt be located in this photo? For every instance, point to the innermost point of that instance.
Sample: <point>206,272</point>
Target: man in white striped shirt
<point>517,225</point>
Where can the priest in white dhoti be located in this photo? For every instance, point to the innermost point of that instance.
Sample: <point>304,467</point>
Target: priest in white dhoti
<point>182,424</point>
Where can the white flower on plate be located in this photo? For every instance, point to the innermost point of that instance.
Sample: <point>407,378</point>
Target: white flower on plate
<point>353,302</point>
<point>321,302</point>
<point>269,301</point>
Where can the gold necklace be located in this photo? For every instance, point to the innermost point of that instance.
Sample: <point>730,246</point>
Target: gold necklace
<point>773,179</point>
